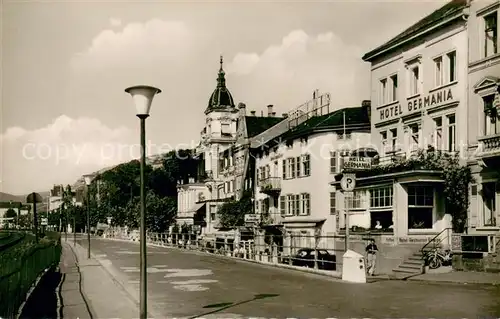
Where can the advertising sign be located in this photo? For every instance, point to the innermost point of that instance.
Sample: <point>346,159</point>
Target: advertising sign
<point>358,163</point>
<point>252,218</point>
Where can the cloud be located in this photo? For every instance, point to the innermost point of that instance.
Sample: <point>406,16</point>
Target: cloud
<point>287,73</point>
<point>115,22</point>
<point>61,152</point>
<point>135,46</point>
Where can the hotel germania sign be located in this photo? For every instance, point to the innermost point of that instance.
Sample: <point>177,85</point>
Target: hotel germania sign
<point>417,103</point>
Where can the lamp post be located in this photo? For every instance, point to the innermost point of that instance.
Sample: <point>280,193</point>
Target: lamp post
<point>143,97</point>
<point>88,180</point>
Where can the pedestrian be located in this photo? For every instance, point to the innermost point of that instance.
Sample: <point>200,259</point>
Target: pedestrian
<point>371,256</point>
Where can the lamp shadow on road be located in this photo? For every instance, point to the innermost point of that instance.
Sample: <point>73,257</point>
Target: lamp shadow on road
<point>226,305</point>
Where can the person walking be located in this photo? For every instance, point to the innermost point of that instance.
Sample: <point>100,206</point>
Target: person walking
<point>371,256</point>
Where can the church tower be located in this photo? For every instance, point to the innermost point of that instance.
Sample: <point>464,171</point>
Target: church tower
<point>220,124</point>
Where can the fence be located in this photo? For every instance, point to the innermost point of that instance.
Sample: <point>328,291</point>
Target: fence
<point>318,252</point>
<point>20,266</point>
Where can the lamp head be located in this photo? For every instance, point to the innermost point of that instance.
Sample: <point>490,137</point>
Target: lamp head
<point>88,179</point>
<point>142,96</point>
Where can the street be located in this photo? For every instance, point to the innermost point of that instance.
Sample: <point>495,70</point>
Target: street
<point>194,284</point>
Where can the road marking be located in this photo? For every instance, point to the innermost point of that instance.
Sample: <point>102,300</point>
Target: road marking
<point>100,255</point>
<point>127,252</point>
<point>194,282</point>
<point>188,272</point>
<point>191,288</point>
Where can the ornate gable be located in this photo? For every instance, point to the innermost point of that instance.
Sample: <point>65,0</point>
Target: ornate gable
<point>488,82</point>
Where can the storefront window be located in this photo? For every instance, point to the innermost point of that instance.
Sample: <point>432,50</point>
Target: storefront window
<point>420,207</point>
<point>381,209</point>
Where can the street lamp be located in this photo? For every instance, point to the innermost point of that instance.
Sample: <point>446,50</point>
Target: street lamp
<point>143,97</point>
<point>88,180</point>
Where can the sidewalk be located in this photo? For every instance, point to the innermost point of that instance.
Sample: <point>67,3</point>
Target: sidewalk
<point>99,297</point>
<point>460,277</point>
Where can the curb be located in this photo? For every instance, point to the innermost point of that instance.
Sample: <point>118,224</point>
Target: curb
<point>448,282</point>
<point>333,274</point>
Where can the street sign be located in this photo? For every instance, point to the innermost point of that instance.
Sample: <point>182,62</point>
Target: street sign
<point>44,222</point>
<point>252,218</point>
<point>348,182</point>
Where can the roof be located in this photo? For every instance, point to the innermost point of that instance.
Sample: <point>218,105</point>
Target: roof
<point>221,98</point>
<point>356,119</point>
<point>448,10</point>
<point>258,124</point>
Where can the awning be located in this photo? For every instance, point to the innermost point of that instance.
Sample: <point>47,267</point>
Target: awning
<point>196,207</point>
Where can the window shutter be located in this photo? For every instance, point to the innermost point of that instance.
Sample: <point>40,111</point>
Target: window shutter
<point>473,207</point>
<point>284,168</point>
<point>297,205</point>
<point>282,205</point>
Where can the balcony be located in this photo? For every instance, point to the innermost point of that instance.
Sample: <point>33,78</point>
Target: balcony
<point>270,185</point>
<point>489,146</point>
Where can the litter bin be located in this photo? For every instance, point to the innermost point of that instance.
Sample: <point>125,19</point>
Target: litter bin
<point>353,267</point>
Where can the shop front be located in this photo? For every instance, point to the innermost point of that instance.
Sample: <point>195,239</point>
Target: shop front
<point>398,208</point>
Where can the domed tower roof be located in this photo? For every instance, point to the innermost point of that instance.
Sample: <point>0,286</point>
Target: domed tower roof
<point>221,98</point>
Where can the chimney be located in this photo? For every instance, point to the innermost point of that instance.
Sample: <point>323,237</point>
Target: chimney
<point>252,113</point>
<point>270,110</point>
<point>243,108</point>
<point>285,115</point>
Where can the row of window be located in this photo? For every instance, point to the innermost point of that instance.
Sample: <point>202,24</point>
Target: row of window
<point>443,136</point>
<point>292,167</point>
<point>295,204</point>
<point>445,71</point>
<point>382,198</point>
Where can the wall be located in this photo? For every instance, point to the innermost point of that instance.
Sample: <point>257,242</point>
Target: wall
<point>318,146</point>
<point>407,108</point>
<point>479,65</point>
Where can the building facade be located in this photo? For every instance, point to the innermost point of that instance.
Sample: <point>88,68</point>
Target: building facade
<point>418,98</point>
<point>483,116</point>
<point>225,150</point>
<point>294,172</point>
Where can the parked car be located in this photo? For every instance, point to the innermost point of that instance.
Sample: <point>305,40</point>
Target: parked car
<point>305,258</point>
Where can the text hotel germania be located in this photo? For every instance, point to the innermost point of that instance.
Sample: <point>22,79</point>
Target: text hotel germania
<point>417,103</point>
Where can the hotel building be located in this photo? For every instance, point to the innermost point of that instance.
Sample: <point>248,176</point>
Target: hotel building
<point>418,99</point>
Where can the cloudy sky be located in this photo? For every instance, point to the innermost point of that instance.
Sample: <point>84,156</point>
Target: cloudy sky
<point>65,64</point>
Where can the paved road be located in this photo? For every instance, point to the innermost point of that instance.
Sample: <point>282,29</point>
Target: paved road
<point>191,284</point>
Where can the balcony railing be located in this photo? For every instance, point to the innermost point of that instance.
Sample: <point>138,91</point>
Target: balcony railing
<point>490,143</point>
<point>270,185</point>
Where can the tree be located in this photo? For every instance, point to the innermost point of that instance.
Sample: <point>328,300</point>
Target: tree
<point>232,213</point>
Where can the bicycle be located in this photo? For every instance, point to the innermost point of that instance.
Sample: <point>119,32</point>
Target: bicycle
<point>435,258</point>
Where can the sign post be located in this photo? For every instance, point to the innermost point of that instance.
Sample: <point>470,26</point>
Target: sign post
<point>348,183</point>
